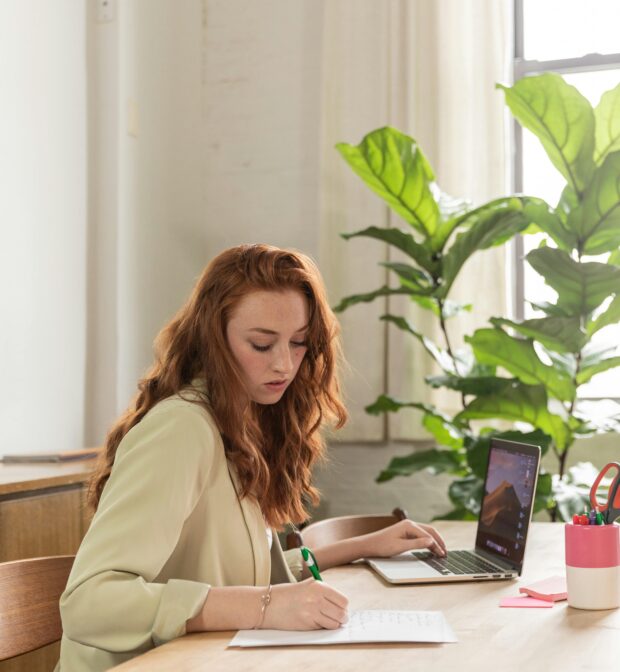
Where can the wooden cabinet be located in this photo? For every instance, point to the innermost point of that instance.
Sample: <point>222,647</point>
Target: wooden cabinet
<point>42,512</point>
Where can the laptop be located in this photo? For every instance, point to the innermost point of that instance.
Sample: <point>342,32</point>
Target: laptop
<point>505,515</point>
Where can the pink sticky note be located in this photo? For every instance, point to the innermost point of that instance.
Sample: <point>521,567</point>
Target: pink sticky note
<point>552,589</point>
<point>531,602</point>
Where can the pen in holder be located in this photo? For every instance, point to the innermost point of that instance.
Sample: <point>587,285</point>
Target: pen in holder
<point>593,566</point>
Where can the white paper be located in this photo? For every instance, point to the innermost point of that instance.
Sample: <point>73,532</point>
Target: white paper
<point>363,626</point>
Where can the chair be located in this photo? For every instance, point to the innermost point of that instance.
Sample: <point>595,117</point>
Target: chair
<point>29,611</point>
<point>328,531</point>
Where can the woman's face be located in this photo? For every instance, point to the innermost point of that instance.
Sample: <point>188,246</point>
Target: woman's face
<point>267,336</point>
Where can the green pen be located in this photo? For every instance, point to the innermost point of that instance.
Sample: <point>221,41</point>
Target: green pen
<point>311,562</point>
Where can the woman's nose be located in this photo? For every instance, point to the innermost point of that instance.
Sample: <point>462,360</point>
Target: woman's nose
<point>283,361</point>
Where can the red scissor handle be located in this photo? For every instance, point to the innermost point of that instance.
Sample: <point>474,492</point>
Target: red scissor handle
<point>599,478</point>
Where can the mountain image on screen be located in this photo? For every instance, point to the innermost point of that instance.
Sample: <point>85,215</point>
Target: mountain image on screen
<point>500,511</point>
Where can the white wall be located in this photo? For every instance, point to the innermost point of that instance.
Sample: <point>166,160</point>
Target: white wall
<point>42,224</point>
<point>203,136</point>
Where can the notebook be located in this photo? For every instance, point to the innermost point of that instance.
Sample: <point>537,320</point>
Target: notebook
<point>505,515</point>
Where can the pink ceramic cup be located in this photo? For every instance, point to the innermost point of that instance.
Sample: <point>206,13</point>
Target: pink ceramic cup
<point>593,566</point>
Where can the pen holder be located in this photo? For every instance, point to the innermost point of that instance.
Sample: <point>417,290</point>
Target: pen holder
<point>593,566</point>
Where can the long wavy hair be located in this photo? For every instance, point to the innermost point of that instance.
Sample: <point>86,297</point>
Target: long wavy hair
<point>272,447</point>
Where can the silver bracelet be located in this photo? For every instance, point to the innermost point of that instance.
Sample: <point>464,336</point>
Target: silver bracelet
<point>265,601</point>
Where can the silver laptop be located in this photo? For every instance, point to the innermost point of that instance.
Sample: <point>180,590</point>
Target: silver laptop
<point>507,503</point>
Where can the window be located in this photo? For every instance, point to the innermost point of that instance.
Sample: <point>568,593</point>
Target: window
<point>580,41</point>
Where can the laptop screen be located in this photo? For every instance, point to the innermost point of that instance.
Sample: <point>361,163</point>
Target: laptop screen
<point>507,500</point>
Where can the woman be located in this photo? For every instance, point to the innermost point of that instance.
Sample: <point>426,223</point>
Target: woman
<point>216,450</point>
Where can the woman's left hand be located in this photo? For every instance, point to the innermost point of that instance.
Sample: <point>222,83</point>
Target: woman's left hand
<point>405,535</point>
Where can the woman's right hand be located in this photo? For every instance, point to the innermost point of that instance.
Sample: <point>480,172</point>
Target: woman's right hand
<point>307,605</point>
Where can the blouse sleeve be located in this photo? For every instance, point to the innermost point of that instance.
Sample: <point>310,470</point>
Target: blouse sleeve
<point>111,601</point>
<point>295,562</point>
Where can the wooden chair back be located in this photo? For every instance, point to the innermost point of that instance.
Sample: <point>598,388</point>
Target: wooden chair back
<point>331,530</point>
<point>29,611</point>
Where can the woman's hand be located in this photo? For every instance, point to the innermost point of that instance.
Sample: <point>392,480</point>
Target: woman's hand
<point>405,535</point>
<point>307,605</point>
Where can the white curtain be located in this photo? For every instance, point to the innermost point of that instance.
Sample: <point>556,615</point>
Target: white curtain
<point>428,67</point>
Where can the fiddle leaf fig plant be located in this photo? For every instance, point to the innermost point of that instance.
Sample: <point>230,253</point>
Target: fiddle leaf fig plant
<point>527,372</point>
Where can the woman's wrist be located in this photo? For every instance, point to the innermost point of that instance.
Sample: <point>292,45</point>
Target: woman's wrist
<point>265,601</point>
<point>229,608</point>
<point>342,552</point>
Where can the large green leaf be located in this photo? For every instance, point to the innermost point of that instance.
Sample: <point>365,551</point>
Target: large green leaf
<point>369,296</point>
<point>611,315</point>
<point>459,513</point>
<point>393,166</point>
<point>478,454</point>
<point>607,118</point>
<point>550,223</point>
<point>465,220</point>
<point>477,385</point>
<point>571,494</point>
<point>445,433</point>
<point>562,334</point>
<point>387,404</point>
<point>451,308</point>
<point>478,446</point>
<point>581,287</point>
<point>614,258</point>
<point>599,216</point>
<point>403,241</point>
<point>466,493</point>
<point>543,498</point>
<point>438,354</point>
<point>516,355</point>
<point>563,361</point>
<point>561,118</point>
<point>587,372</point>
<point>445,307</point>
<point>601,415</point>
<point>492,228</point>
<point>434,460</point>
<point>522,403</point>
<point>595,352</point>
<point>410,276</point>
<point>452,206</point>
<point>550,309</point>
<point>535,438</point>
<point>567,203</point>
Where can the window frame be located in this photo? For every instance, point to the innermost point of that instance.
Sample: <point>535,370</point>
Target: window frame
<point>522,67</point>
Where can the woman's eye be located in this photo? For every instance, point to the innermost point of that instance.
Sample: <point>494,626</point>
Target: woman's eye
<point>299,344</point>
<point>261,348</point>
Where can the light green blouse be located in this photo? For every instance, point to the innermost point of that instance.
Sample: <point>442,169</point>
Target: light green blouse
<point>169,525</point>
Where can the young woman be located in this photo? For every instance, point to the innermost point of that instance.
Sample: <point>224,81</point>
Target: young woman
<point>214,453</point>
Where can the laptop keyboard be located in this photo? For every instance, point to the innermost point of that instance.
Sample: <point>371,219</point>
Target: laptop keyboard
<point>457,562</point>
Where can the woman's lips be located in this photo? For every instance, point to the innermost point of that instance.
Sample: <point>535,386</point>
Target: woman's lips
<point>276,386</point>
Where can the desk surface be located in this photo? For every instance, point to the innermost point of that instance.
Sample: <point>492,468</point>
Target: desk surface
<point>16,478</point>
<point>490,638</point>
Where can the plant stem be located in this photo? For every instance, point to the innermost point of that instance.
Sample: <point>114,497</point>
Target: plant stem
<point>444,329</point>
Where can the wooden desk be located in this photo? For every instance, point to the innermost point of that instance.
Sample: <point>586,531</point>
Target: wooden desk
<point>42,513</point>
<point>42,508</point>
<point>490,638</point>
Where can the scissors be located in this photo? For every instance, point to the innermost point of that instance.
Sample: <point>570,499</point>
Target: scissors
<point>611,508</point>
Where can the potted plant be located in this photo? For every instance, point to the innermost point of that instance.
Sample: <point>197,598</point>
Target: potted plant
<point>528,372</point>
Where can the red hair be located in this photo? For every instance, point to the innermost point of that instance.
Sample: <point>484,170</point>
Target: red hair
<point>273,447</point>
